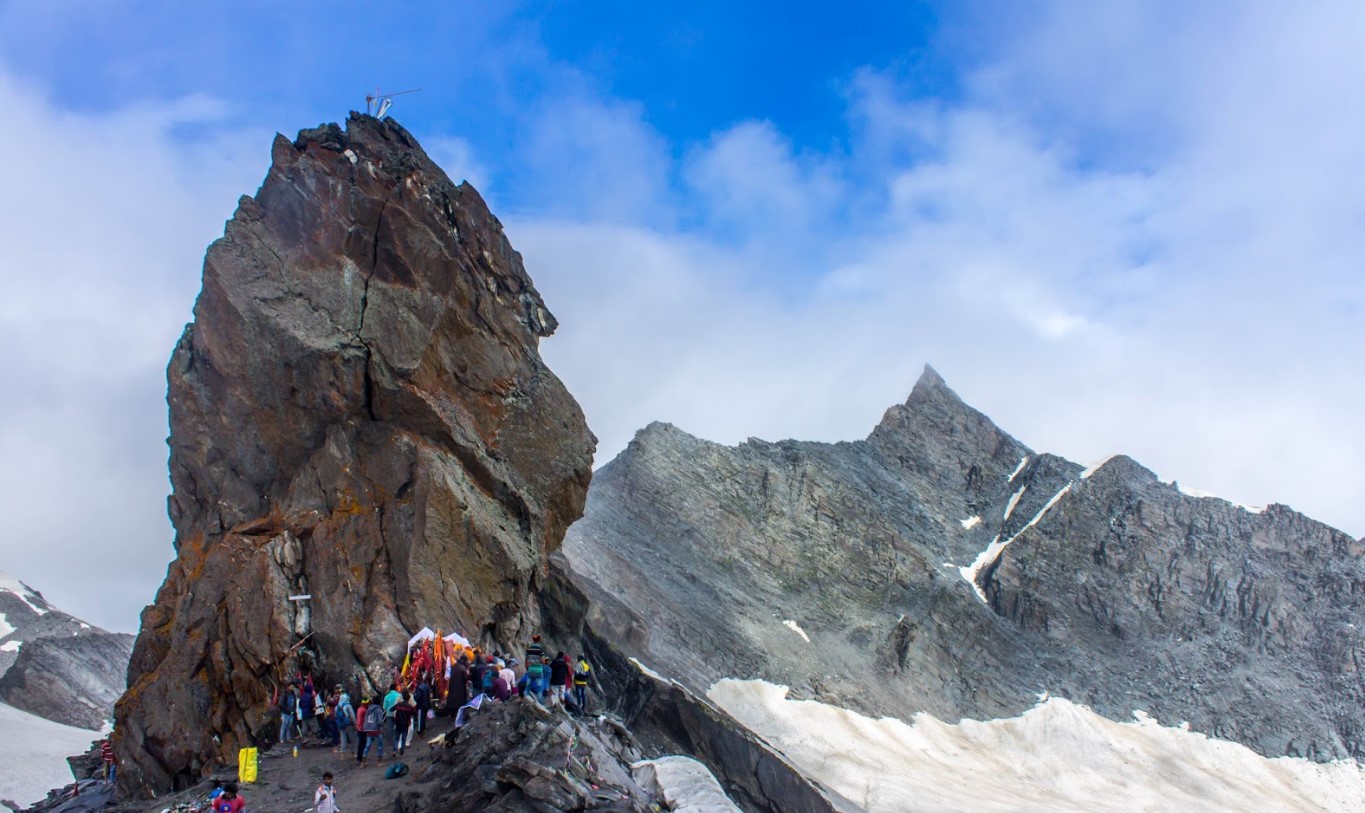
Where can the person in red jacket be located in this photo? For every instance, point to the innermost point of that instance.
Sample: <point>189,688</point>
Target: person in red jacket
<point>107,754</point>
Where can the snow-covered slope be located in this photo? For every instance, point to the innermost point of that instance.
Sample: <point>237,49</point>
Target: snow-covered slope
<point>1055,758</point>
<point>33,754</point>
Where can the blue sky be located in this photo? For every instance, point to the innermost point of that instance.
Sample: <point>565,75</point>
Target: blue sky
<point>1120,227</point>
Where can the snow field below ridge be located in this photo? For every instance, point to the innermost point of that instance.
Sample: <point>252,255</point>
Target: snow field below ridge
<point>1057,757</point>
<point>33,754</point>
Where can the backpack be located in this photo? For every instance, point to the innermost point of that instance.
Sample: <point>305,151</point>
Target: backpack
<point>489,676</point>
<point>345,714</point>
<point>374,718</point>
<point>396,770</point>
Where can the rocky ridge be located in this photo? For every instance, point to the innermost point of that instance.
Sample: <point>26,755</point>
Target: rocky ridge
<point>55,665</point>
<point>941,565</point>
<point>364,440</point>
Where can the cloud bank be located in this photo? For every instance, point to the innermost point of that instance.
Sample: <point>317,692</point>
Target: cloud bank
<point>1132,231</point>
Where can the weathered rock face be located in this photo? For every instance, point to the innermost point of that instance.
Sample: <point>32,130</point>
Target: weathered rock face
<point>55,665</point>
<point>359,413</point>
<point>940,565</point>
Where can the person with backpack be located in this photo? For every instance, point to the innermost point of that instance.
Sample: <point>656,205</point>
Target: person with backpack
<point>488,676</point>
<point>582,671</point>
<point>288,710</point>
<point>535,669</point>
<point>421,698</point>
<point>345,719</point>
<point>369,729</point>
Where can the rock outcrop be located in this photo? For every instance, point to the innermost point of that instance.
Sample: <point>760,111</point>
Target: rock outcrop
<point>55,665</point>
<point>364,440</point>
<point>941,565</point>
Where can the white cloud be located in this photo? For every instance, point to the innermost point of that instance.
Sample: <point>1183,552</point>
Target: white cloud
<point>1134,234</point>
<point>1198,308</point>
<point>105,220</point>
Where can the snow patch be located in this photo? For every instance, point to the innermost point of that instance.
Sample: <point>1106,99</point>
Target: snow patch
<point>12,585</point>
<point>992,552</point>
<point>649,671</point>
<point>1206,495</point>
<point>1014,500</point>
<point>684,783</point>
<point>970,522</point>
<point>34,751</point>
<point>796,628</point>
<point>1023,461</point>
<point>5,628</point>
<point>983,559</point>
<point>11,646</point>
<point>1096,466</point>
<point>1057,757</point>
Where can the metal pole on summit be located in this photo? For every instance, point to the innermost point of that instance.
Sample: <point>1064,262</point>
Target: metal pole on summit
<point>379,102</point>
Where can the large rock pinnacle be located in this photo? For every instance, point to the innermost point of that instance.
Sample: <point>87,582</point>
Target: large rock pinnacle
<point>359,413</point>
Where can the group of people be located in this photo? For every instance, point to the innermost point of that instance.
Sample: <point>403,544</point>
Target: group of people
<point>557,681</point>
<point>395,719</point>
<point>390,722</point>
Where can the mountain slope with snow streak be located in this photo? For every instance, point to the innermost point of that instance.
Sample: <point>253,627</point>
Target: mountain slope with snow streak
<point>941,566</point>
<point>55,665</point>
<point>1057,757</point>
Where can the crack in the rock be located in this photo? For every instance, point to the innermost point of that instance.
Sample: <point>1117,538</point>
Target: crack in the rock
<point>364,309</point>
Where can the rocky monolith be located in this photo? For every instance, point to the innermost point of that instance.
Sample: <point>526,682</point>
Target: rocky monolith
<point>364,441</point>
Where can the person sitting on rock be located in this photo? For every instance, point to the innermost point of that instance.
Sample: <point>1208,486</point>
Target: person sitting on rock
<point>505,672</point>
<point>403,712</point>
<point>501,689</point>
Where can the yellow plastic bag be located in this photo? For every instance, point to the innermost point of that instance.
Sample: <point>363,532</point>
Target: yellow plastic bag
<point>246,765</point>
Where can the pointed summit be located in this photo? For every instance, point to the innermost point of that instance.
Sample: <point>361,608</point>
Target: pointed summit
<point>930,379</point>
<point>935,430</point>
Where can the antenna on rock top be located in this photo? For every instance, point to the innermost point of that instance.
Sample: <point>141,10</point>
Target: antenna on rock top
<point>379,102</point>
